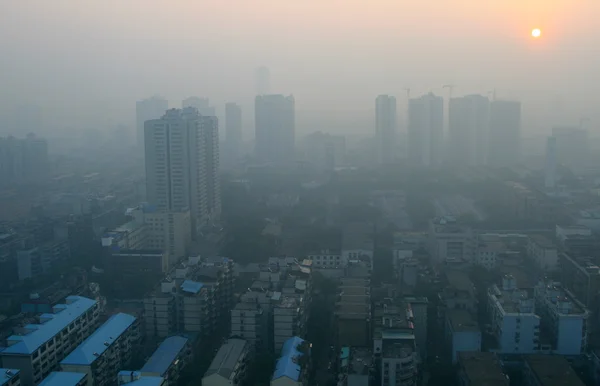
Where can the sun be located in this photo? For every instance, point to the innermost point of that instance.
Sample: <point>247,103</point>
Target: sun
<point>536,33</point>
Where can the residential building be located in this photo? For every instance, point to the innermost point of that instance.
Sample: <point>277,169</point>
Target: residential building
<point>233,131</point>
<point>353,312</point>
<point>275,127</point>
<point>577,240</point>
<point>450,242</point>
<point>468,130</point>
<point>292,368</point>
<point>480,369</point>
<point>543,252</point>
<point>515,325</point>
<point>38,350</point>
<point>10,377</point>
<point>394,343</point>
<point>462,333</point>
<point>135,378</point>
<point>505,133</point>
<point>426,130</point>
<point>229,364</point>
<point>563,318</point>
<point>327,258</point>
<point>549,370</point>
<point>182,164</point>
<point>249,322</point>
<point>458,293</point>
<point>487,254</point>
<point>63,378</point>
<point>169,359</point>
<point>358,244</point>
<point>132,273</point>
<point>201,104</point>
<point>289,319</point>
<point>419,307</point>
<point>385,129</point>
<point>145,110</point>
<point>107,350</point>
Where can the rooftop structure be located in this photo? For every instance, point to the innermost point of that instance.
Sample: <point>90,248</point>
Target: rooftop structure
<point>289,365</point>
<point>165,355</point>
<point>481,369</point>
<point>50,326</point>
<point>63,378</point>
<point>550,370</point>
<point>100,340</point>
<point>8,375</point>
<point>228,360</point>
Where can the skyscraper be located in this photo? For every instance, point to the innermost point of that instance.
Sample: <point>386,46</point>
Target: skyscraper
<point>385,128</point>
<point>505,132</point>
<point>468,130</point>
<point>426,130</point>
<point>275,127</point>
<point>233,130</point>
<point>145,110</point>
<point>201,104</point>
<point>263,81</point>
<point>182,164</point>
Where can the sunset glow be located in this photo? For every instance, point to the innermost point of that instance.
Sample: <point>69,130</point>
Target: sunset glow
<point>536,33</point>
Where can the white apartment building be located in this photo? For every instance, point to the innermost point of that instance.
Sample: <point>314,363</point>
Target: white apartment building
<point>564,318</point>
<point>229,365</point>
<point>182,164</point>
<point>385,128</point>
<point>37,350</point>
<point>462,333</point>
<point>543,252</point>
<point>248,322</point>
<point>327,258</point>
<point>486,254</point>
<point>449,242</point>
<point>515,325</point>
<point>106,351</point>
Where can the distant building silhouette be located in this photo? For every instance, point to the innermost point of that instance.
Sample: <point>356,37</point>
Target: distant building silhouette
<point>385,128</point>
<point>146,109</point>
<point>505,133</point>
<point>233,131</point>
<point>275,128</point>
<point>201,104</point>
<point>468,130</point>
<point>426,130</point>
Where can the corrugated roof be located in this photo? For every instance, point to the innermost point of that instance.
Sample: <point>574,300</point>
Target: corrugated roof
<point>287,365</point>
<point>91,348</point>
<point>227,357</point>
<point>147,381</point>
<point>345,353</point>
<point>192,287</point>
<point>62,378</point>
<point>28,344</point>
<point>164,355</point>
<point>7,374</point>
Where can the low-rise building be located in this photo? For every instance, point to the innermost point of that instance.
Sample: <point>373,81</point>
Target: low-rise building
<point>563,318</point>
<point>327,258</point>
<point>292,368</point>
<point>450,242</point>
<point>10,377</point>
<point>135,378</point>
<point>480,369</point>
<point>353,312</point>
<point>549,370</point>
<point>229,365</point>
<point>357,243</point>
<point>169,359</point>
<point>458,292</point>
<point>40,347</point>
<point>543,252</point>
<point>462,333</point>
<point>515,325</point>
<point>107,350</point>
<point>63,378</point>
<point>486,254</point>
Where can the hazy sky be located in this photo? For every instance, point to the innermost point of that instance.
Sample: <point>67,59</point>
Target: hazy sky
<point>70,55</point>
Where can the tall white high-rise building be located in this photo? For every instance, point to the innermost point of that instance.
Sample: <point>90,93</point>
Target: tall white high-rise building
<point>263,81</point>
<point>505,133</point>
<point>468,130</point>
<point>275,126</point>
<point>385,128</point>
<point>145,110</point>
<point>233,130</point>
<point>426,130</point>
<point>182,164</point>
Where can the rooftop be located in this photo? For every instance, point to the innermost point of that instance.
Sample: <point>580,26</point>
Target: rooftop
<point>459,280</point>
<point>461,321</point>
<point>61,378</point>
<point>191,286</point>
<point>287,365</point>
<point>164,355</point>
<point>95,345</point>
<point>64,315</point>
<point>227,358</point>
<point>8,374</point>
<point>552,370</point>
<point>482,369</point>
<point>542,241</point>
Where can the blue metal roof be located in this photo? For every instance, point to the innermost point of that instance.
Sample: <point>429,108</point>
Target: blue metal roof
<point>287,365</point>
<point>91,348</point>
<point>62,378</point>
<point>164,355</point>
<point>28,344</point>
<point>7,374</point>
<point>345,353</point>
<point>191,286</point>
<point>146,381</point>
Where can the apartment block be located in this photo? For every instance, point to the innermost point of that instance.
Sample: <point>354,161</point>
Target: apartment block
<point>292,368</point>
<point>288,319</point>
<point>480,369</point>
<point>10,377</point>
<point>462,333</point>
<point>248,322</point>
<point>135,378</point>
<point>63,378</point>
<point>229,365</point>
<point>450,242</point>
<point>37,351</point>
<point>543,252</point>
<point>549,370</point>
<point>106,351</point>
<point>353,312</point>
<point>169,359</point>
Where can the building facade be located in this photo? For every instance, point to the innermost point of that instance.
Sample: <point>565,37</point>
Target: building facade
<point>426,130</point>
<point>468,130</point>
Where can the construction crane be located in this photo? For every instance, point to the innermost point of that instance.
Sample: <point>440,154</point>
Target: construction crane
<point>450,88</point>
